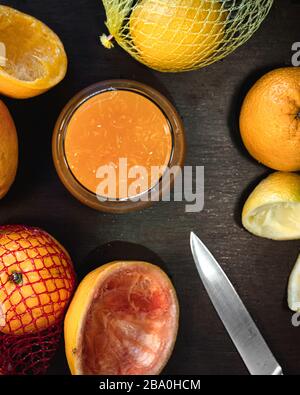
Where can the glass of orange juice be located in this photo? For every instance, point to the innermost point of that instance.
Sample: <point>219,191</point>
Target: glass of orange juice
<point>113,142</point>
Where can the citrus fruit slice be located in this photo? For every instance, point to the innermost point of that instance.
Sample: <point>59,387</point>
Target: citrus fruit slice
<point>273,208</point>
<point>33,58</point>
<point>294,288</point>
<point>123,320</point>
<point>177,35</point>
<point>270,119</point>
<point>8,150</point>
<point>36,280</point>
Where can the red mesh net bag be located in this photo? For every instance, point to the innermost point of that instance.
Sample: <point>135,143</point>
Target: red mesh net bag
<point>37,280</point>
<point>29,354</point>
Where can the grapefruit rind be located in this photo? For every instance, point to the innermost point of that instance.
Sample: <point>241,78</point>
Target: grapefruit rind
<point>76,317</point>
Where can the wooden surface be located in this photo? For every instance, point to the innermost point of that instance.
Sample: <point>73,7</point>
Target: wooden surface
<point>208,101</point>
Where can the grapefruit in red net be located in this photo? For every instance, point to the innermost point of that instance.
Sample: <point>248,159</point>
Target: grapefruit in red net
<point>36,280</point>
<point>123,320</point>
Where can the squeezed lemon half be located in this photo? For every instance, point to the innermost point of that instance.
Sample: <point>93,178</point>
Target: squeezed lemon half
<point>273,208</point>
<point>294,288</point>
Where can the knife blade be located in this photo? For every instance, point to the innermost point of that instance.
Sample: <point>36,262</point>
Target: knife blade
<point>244,333</point>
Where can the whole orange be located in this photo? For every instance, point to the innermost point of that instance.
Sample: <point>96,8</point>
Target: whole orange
<point>270,119</point>
<point>8,150</point>
<point>36,280</point>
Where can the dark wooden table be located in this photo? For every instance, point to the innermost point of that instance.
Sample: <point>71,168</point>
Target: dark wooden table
<point>208,101</point>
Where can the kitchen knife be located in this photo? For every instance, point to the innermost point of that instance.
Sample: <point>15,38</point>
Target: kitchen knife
<point>244,333</point>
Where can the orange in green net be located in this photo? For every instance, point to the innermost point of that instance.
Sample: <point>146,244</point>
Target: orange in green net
<point>175,35</point>
<point>181,35</point>
<point>36,280</point>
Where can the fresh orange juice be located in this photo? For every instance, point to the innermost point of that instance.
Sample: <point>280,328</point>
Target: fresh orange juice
<point>113,127</point>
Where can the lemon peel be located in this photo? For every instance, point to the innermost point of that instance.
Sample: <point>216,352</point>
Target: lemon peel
<point>294,287</point>
<point>273,209</point>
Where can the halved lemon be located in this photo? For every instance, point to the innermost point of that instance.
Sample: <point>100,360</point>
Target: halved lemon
<point>32,57</point>
<point>294,288</point>
<point>123,320</point>
<point>273,208</point>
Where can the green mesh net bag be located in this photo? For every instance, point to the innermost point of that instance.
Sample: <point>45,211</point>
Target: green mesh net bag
<point>181,35</point>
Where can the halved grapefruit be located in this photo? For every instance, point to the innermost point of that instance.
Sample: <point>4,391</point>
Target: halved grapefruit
<point>123,320</point>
